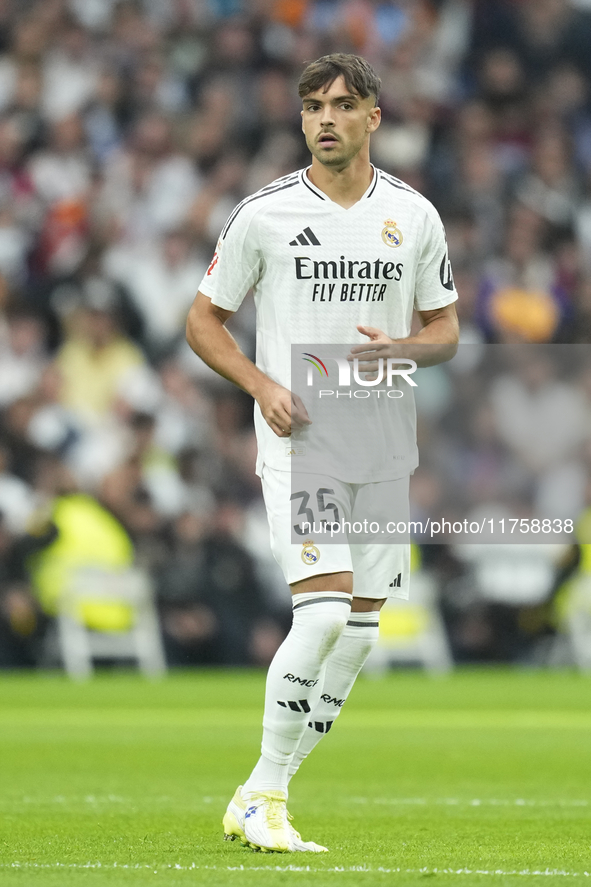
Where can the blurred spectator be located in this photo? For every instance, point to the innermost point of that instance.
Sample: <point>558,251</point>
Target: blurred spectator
<point>538,415</point>
<point>69,71</point>
<point>520,299</point>
<point>21,623</point>
<point>145,489</point>
<point>22,355</point>
<point>213,607</point>
<point>61,176</point>
<point>162,283</point>
<point>94,360</point>
<point>52,426</point>
<point>149,186</point>
<point>106,116</point>
<point>184,419</point>
<point>17,498</point>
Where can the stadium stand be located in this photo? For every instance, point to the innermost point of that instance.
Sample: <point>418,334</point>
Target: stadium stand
<point>128,131</point>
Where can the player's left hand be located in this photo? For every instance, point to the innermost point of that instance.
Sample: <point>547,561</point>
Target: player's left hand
<point>379,345</point>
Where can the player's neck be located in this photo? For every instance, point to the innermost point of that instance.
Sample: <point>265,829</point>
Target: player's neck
<point>345,186</point>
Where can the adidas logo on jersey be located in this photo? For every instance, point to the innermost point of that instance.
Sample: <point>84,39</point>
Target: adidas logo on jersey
<point>302,705</point>
<point>306,238</point>
<point>397,582</point>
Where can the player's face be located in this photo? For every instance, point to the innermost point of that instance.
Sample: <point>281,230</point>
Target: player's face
<point>337,123</point>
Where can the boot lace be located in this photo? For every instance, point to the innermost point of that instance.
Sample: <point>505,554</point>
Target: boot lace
<point>276,813</point>
<point>275,810</point>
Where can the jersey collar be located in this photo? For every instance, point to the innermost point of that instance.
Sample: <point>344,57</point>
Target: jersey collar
<point>308,184</point>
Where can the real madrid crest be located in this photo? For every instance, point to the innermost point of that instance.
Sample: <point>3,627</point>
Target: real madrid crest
<point>391,234</point>
<point>310,554</point>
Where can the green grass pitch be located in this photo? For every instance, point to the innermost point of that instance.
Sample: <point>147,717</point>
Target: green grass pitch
<point>480,778</point>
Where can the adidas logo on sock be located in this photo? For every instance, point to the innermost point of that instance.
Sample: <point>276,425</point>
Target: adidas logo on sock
<point>306,238</point>
<point>302,705</point>
<point>321,726</point>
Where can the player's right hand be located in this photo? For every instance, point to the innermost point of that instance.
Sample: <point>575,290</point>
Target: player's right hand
<point>282,410</point>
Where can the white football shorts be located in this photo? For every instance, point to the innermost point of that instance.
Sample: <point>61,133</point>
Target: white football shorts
<point>380,570</point>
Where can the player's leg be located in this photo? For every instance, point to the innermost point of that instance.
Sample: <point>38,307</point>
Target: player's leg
<point>380,571</point>
<point>293,680</point>
<point>356,642</point>
<point>321,609</point>
<point>257,814</point>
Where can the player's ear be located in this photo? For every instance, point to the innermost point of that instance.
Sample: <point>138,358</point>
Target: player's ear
<point>374,119</point>
<point>302,116</point>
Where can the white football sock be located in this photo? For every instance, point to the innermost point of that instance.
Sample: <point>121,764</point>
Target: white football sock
<point>342,667</point>
<point>294,683</point>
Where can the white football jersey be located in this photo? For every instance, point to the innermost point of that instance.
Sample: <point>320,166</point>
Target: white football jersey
<point>316,271</point>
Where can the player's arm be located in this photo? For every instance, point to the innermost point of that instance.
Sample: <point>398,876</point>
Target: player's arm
<point>214,344</point>
<point>436,341</point>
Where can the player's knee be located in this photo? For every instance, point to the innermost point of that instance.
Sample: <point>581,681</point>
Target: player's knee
<point>326,627</point>
<point>334,630</point>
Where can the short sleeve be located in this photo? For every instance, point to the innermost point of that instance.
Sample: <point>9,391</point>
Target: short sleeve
<point>236,264</point>
<point>434,287</point>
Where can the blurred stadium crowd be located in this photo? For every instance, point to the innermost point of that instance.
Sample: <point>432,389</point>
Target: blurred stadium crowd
<point>128,131</point>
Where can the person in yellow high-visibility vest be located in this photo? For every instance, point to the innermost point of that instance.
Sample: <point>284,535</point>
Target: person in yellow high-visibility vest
<point>88,536</point>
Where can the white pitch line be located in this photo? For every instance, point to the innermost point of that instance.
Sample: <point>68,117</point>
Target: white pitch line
<point>473,802</point>
<point>96,800</point>
<point>300,868</point>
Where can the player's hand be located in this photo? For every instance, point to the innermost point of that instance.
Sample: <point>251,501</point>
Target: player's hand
<point>283,411</point>
<point>379,345</point>
<point>299,413</point>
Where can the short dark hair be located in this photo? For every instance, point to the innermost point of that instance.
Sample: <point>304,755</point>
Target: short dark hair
<point>357,73</point>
